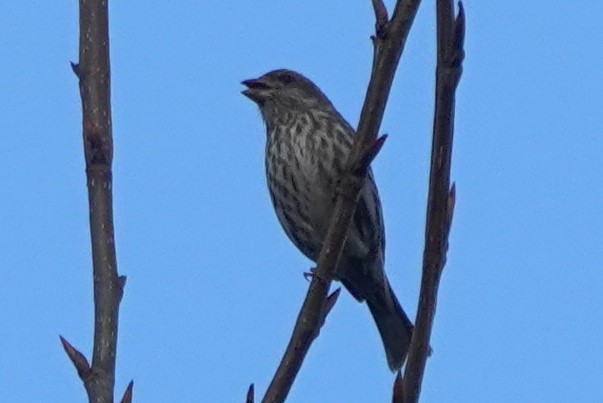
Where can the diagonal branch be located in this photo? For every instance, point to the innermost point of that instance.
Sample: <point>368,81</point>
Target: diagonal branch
<point>441,198</point>
<point>389,43</point>
<point>94,82</point>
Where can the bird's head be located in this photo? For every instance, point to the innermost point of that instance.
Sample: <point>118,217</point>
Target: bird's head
<point>281,92</point>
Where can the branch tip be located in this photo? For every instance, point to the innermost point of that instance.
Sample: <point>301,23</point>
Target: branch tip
<point>327,307</point>
<point>461,14</point>
<point>121,280</point>
<point>331,300</point>
<point>381,18</point>
<point>250,394</point>
<point>78,359</point>
<point>379,143</point>
<point>398,391</point>
<point>458,44</point>
<point>369,154</point>
<point>451,204</point>
<point>76,69</point>
<point>459,41</point>
<point>128,393</point>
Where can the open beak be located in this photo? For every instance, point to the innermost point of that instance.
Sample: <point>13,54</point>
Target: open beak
<point>256,90</point>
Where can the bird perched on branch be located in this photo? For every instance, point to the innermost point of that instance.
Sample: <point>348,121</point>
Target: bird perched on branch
<point>307,148</point>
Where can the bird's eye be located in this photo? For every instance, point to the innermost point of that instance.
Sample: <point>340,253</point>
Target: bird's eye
<point>287,78</point>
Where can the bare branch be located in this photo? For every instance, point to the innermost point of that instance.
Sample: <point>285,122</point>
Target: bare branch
<point>94,81</point>
<point>389,44</point>
<point>441,198</point>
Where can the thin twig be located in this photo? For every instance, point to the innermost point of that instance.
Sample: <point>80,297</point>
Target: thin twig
<point>94,82</point>
<point>389,44</point>
<point>441,198</point>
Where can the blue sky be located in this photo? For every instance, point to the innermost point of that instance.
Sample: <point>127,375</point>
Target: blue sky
<point>214,285</point>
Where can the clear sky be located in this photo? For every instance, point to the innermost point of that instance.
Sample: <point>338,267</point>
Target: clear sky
<point>214,285</point>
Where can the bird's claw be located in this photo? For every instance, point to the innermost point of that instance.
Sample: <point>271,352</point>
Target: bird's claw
<point>309,275</point>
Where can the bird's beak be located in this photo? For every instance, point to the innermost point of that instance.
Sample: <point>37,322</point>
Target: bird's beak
<point>257,90</point>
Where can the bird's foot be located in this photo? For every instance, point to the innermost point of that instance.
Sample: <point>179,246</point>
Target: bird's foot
<point>309,275</point>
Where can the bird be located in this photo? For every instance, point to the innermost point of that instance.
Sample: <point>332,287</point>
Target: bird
<point>308,143</point>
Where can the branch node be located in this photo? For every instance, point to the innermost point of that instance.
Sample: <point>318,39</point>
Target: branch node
<point>330,302</point>
<point>78,359</point>
<point>326,309</point>
<point>121,281</point>
<point>381,19</point>
<point>368,156</point>
<point>458,38</point>
<point>76,69</point>
<point>96,151</point>
<point>450,205</point>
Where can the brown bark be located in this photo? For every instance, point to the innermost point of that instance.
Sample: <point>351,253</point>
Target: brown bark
<point>441,197</point>
<point>94,75</point>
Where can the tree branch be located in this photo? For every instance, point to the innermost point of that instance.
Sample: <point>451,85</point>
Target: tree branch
<point>441,198</point>
<point>389,43</point>
<point>94,82</point>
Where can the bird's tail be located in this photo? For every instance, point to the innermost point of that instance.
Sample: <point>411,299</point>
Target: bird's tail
<point>394,326</point>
